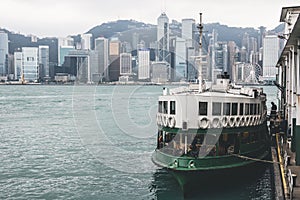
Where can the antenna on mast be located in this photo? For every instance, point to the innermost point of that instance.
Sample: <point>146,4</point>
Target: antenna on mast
<point>200,27</point>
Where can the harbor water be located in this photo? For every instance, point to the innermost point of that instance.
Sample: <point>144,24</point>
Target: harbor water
<point>93,142</point>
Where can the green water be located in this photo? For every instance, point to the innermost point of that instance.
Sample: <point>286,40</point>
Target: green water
<point>91,142</point>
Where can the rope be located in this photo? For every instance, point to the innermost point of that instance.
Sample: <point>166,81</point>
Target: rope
<point>256,159</point>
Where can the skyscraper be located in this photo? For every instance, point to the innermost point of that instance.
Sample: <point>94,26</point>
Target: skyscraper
<point>18,64</point>
<point>125,64</point>
<point>144,64</point>
<point>270,56</point>
<point>163,37</point>
<point>187,31</point>
<point>180,59</point>
<point>114,58</point>
<point>44,61</point>
<point>3,53</point>
<point>101,46</point>
<point>86,40</point>
<point>30,69</point>
<point>64,43</point>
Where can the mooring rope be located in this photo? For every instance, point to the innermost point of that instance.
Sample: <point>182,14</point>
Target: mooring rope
<point>256,159</point>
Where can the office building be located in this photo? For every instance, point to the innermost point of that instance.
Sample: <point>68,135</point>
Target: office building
<point>3,53</point>
<point>18,65</point>
<point>125,64</point>
<point>30,66</point>
<point>101,47</point>
<point>143,64</point>
<point>163,37</point>
<point>44,61</point>
<point>270,56</point>
<point>86,41</point>
<point>187,31</point>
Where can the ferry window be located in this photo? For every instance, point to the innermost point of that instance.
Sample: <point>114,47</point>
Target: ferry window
<point>216,109</point>
<point>251,109</point>
<point>226,108</point>
<point>258,108</point>
<point>165,107</point>
<point>247,109</point>
<point>172,107</point>
<point>255,109</point>
<point>160,106</point>
<point>202,108</point>
<point>234,108</point>
<point>241,109</point>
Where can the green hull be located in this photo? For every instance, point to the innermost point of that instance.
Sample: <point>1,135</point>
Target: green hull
<point>190,171</point>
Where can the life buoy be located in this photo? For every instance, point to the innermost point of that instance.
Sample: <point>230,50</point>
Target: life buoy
<point>231,121</point>
<point>204,123</point>
<point>242,121</point>
<point>247,121</point>
<point>157,119</point>
<point>172,122</point>
<point>165,121</point>
<point>224,121</point>
<point>215,123</point>
<point>237,121</point>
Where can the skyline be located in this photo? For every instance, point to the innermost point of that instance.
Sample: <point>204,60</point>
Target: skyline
<point>72,18</point>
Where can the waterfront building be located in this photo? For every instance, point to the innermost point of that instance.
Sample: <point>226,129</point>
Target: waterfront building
<point>143,64</point>
<point>180,59</point>
<point>163,37</point>
<point>18,65</point>
<point>30,66</point>
<point>86,41</point>
<point>114,59</point>
<point>64,44</point>
<point>187,31</point>
<point>160,72</point>
<point>44,61</point>
<point>3,53</point>
<point>270,56</point>
<point>125,64</point>
<point>288,78</point>
<point>101,47</point>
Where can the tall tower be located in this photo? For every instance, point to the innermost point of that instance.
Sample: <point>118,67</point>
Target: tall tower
<point>163,37</point>
<point>44,61</point>
<point>86,41</point>
<point>3,53</point>
<point>187,31</point>
<point>18,64</point>
<point>125,64</point>
<point>270,56</point>
<point>101,46</point>
<point>144,64</point>
<point>30,69</point>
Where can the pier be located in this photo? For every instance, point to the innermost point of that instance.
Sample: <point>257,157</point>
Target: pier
<point>285,128</point>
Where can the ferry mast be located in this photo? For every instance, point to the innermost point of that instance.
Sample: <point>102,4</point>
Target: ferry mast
<point>200,79</point>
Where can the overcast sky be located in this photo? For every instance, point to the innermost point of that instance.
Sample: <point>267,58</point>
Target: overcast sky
<point>67,17</point>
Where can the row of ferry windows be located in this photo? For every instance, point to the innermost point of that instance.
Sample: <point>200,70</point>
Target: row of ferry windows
<point>217,108</point>
<point>163,107</point>
<point>230,108</point>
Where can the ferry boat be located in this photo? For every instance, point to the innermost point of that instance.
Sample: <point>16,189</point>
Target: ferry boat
<point>205,133</point>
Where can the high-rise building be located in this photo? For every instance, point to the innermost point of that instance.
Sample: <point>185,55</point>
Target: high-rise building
<point>63,52</point>
<point>187,31</point>
<point>64,42</point>
<point>180,59</point>
<point>44,61</point>
<point>125,64</point>
<point>18,64</point>
<point>160,72</point>
<point>143,64</point>
<point>270,56</point>
<point>3,53</point>
<point>86,41</point>
<point>114,58</point>
<point>30,66</point>
<point>101,47</point>
<point>163,37</point>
